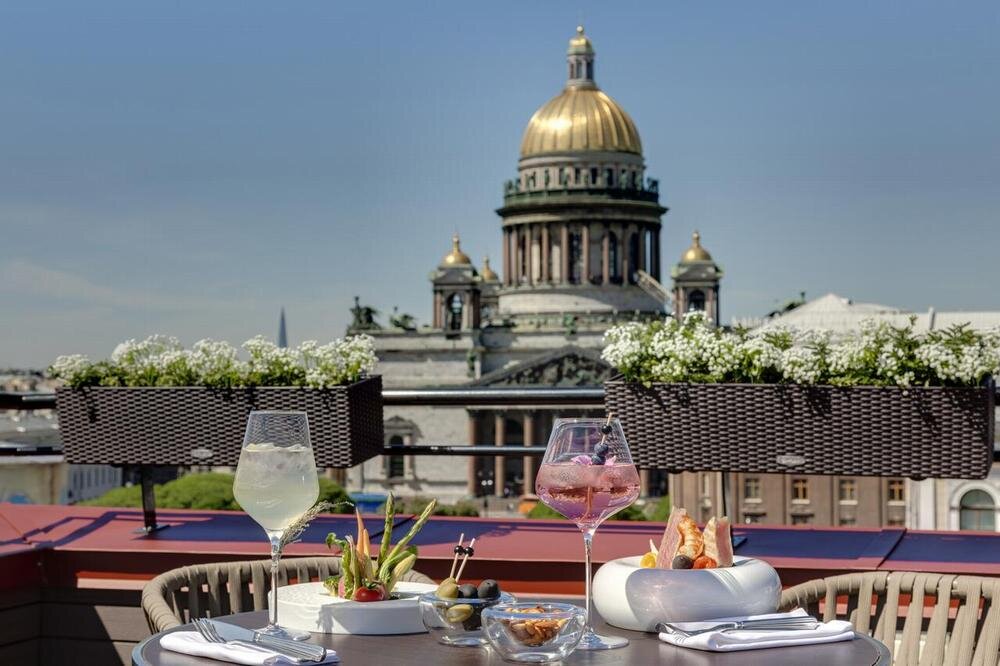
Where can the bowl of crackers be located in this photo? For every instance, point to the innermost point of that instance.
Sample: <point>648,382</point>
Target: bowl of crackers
<point>534,632</point>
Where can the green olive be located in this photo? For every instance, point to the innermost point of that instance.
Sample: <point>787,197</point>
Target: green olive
<point>448,589</point>
<point>458,613</point>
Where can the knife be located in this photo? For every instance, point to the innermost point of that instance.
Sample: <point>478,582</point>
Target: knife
<point>232,632</point>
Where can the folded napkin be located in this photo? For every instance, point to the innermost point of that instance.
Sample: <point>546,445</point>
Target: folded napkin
<point>193,643</point>
<point>750,639</point>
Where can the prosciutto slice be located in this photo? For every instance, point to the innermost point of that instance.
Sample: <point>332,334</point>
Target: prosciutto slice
<point>723,542</point>
<point>671,539</point>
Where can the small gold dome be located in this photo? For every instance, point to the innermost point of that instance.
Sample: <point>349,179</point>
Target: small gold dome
<point>580,118</point>
<point>489,275</point>
<point>696,252</point>
<point>456,257</point>
<point>580,43</point>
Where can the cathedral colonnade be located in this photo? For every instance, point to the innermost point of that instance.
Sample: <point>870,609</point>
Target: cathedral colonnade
<point>579,253</point>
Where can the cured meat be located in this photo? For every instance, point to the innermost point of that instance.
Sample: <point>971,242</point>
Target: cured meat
<point>671,538</point>
<point>723,542</point>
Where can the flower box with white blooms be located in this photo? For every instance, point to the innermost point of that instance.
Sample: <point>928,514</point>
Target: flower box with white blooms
<point>156,403</point>
<point>886,401</point>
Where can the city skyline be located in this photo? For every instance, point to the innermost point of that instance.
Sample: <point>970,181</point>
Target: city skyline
<point>301,159</point>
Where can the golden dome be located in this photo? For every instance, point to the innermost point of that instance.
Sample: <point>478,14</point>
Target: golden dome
<point>580,43</point>
<point>696,252</point>
<point>489,275</point>
<point>580,118</point>
<point>456,257</point>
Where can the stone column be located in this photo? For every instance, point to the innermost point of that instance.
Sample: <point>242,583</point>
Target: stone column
<point>529,461</point>
<point>437,311</point>
<point>564,253</point>
<point>585,245</point>
<point>606,256</point>
<point>499,439</point>
<point>516,234</point>
<point>642,250</point>
<point>506,257</point>
<point>471,482</point>
<point>622,246</point>
<point>545,252</point>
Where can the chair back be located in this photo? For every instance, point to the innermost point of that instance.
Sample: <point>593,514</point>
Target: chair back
<point>949,619</point>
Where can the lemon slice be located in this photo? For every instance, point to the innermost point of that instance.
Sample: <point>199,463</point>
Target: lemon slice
<point>648,561</point>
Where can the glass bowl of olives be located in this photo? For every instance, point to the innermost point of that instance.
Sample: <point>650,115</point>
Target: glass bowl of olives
<point>452,614</point>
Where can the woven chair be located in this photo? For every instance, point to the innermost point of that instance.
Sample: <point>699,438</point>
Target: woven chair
<point>962,629</point>
<point>209,590</point>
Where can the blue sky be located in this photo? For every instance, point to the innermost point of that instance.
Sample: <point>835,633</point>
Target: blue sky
<point>189,168</point>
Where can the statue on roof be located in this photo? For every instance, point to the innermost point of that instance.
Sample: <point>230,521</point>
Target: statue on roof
<point>402,320</point>
<point>364,317</point>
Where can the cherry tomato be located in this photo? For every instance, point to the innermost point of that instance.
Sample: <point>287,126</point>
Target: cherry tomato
<point>704,562</point>
<point>376,593</point>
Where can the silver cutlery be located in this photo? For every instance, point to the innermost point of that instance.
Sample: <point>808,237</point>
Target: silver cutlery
<point>297,651</point>
<point>763,624</point>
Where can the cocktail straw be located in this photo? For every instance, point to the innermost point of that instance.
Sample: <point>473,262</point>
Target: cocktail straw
<point>454,560</point>
<point>465,559</point>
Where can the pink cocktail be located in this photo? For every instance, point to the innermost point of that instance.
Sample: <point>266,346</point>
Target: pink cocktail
<point>587,494</point>
<point>587,475</point>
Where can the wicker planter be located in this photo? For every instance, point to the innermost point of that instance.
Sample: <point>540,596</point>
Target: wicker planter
<point>203,426</point>
<point>864,431</point>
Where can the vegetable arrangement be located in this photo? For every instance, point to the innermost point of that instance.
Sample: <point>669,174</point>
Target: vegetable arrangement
<point>363,578</point>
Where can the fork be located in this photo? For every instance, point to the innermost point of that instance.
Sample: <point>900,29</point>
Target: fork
<point>210,634</point>
<point>773,624</point>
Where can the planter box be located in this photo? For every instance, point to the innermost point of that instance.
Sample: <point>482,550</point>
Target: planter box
<point>863,431</point>
<point>204,426</point>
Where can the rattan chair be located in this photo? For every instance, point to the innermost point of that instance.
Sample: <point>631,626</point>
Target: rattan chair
<point>953,620</point>
<point>209,590</point>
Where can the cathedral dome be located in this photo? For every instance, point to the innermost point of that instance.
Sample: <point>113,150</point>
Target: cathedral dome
<point>456,257</point>
<point>582,117</point>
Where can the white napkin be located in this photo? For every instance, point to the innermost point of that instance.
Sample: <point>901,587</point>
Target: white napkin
<point>748,639</point>
<point>193,643</point>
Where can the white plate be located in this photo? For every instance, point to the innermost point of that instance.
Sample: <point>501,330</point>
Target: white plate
<point>308,607</point>
<point>631,597</point>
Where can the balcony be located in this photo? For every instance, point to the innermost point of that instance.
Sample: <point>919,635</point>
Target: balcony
<point>577,195</point>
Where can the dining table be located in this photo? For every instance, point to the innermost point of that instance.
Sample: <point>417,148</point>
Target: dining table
<point>643,648</point>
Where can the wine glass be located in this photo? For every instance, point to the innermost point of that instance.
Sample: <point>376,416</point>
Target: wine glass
<point>276,482</point>
<point>587,474</point>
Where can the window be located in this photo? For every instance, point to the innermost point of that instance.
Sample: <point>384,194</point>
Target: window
<point>590,69</point>
<point>977,511</point>
<point>848,521</point>
<point>847,491</point>
<point>633,257</point>
<point>753,518</point>
<point>609,177</point>
<point>801,519</point>
<point>575,258</point>
<point>895,521</point>
<point>593,175</point>
<point>897,490</point>
<point>751,489</point>
<point>800,490</point>
<point>395,466</point>
<point>455,312</point>
<point>615,267</point>
<point>576,176</point>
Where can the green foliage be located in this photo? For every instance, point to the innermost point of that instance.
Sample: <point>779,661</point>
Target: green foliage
<point>417,505</point>
<point>661,510</point>
<point>212,490</point>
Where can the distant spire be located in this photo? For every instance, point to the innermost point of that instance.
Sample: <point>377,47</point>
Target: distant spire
<point>282,331</point>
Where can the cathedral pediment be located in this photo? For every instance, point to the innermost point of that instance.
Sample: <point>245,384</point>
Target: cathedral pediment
<point>570,366</point>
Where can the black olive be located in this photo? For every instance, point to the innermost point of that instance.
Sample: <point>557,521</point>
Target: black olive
<point>602,449</point>
<point>606,428</point>
<point>468,591</point>
<point>682,562</point>
<point>489,589</point>
<point>597,460</point>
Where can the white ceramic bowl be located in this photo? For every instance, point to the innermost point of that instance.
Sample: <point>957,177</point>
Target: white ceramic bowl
<point>308,607</point>
<point>630,597</point>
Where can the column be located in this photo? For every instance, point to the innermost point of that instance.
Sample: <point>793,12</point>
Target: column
<point>642,250</point>
<point>643,483</point>
<point>622,247</point>
<point>529,461</point>
<point>499,439</point>
<point>606,256</point>
<point>506,257</point>
<point>564,253</point>
<point>545,252</point>
<point>472,483</point>
<point>516,241</point>
<point>585,246</point>
<point>437,311</point>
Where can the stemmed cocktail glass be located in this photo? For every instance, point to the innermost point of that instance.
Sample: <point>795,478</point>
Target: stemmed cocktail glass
<point>587,475</point>
<point>276,482</point>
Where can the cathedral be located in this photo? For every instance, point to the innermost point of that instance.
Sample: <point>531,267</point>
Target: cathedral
<point>580,251</point>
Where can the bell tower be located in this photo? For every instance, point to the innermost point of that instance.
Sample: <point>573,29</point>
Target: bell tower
<point>456,292</point>
<point>696,282</point>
